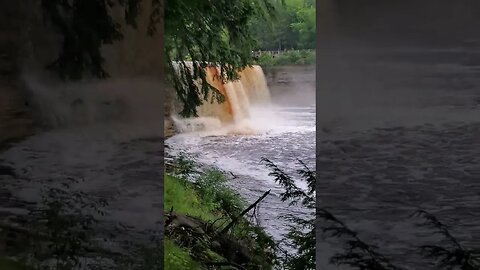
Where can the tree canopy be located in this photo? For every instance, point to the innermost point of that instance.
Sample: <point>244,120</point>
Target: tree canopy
<point>294,27</point>
<point>206,32</point>
<point>86,25</point>
<point>198,33</point>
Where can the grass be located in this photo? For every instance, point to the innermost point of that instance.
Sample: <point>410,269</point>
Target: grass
<point>184,199</point>
<point>177,258</point>
<point>211,200</point>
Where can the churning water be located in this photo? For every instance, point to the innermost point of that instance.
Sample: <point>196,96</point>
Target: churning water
<point>404,135</point>
<point>281,134</point>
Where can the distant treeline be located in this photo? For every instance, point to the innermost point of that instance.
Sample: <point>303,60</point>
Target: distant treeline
<point>287,57</point>
<point>293,27</point>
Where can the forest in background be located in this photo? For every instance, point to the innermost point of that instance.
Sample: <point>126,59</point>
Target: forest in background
<point>64,224</point>
<point>294,27</point>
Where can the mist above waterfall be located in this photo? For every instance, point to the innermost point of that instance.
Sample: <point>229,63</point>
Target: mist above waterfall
<point>292,85</point>
<point>275,121</point>
<point>244,111</point>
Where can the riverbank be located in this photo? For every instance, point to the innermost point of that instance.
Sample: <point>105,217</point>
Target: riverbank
<point>209,224</point>
<point>292,57</point>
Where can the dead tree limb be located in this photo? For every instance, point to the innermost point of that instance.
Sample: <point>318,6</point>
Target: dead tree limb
<point>169,217</point>
<point>235,219</point>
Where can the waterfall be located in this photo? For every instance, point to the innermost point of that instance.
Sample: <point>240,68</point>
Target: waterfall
<point>240,97</point>
<point>255,83</point>
<point>238,100</point>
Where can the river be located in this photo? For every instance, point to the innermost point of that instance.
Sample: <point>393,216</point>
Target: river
<point>404,135</point>
<point>282,130</point>
<point>290,137</point>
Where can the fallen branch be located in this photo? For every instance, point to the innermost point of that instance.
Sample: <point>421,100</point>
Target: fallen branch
<point>235,219</point>
<point>170,217</point>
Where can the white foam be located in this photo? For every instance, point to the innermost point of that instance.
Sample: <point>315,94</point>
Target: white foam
<point>265,120</point>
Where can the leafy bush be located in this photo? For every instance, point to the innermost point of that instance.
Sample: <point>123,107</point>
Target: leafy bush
<point>183,166</point>
<point>213,189</point>
<point>221,210</point>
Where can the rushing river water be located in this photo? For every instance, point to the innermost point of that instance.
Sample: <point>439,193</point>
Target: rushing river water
<point>285,135</point>
<point>404,134</point>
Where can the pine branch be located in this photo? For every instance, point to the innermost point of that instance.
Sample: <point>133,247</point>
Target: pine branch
<point>357,253</point>
<point>244,212</point>
<point>449,258</point>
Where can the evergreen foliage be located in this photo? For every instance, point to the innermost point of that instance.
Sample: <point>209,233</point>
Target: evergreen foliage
<point>301,235</point>
<point>203,33</point>
<point>86,25</point>
<point>451,256</point>
<point>198,34</point>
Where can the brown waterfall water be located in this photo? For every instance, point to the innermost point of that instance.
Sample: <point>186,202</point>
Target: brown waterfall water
<point>240,96</point>
<point>234,136</point>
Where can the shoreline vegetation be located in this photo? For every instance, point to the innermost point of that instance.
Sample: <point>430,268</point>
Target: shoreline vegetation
<point>200,197</point>
<point>207,226</point>
<point>210,226</point>
<point>285,58</point>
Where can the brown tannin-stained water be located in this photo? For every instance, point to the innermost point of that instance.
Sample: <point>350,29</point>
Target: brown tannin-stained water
<point>236,135</point>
